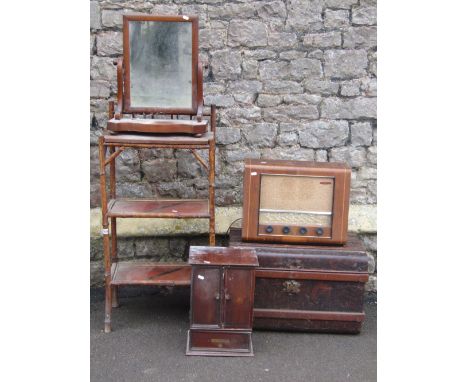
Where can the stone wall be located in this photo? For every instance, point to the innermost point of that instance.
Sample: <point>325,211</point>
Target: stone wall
<point>292,79</point>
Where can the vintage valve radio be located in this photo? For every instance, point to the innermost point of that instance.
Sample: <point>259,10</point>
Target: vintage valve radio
<point>295,201</point>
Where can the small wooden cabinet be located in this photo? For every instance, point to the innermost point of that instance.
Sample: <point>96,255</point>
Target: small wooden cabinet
<point>221,312</point>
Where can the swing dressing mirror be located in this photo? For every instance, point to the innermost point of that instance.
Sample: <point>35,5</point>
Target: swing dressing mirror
<point>159,75</point>
<point>161,57</point>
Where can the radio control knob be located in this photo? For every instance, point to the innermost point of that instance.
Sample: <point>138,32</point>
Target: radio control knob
<point>319,231</point>
<point>303,230</point>
<point>269,229</point>
<point>286,230</point>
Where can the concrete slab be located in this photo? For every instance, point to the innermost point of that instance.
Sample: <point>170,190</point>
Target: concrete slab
<point>149,337</point>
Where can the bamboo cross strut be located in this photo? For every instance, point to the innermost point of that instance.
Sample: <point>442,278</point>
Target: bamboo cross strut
<point>114,156</point>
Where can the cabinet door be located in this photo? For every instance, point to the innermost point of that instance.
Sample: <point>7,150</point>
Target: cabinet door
<point>238,285</point>
<point>206,296</point>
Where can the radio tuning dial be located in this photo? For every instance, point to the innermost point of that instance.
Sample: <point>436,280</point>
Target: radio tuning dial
<point>269,229</point>
<point>303,230</point>
<point>286,230</point>
<point>319,231</point>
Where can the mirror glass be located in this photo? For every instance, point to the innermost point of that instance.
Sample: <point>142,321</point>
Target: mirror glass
<point>160,64</point>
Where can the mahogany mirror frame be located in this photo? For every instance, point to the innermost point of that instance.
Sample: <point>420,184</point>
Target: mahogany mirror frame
<point>197,77</point>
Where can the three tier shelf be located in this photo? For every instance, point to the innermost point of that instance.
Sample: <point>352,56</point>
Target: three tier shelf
<point>119,273</point>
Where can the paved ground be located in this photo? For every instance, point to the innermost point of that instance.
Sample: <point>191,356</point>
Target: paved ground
<point>149,338</point>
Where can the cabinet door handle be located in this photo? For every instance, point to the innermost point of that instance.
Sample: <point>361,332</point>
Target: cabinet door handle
<point>217,296</point>
<point>227,297</point>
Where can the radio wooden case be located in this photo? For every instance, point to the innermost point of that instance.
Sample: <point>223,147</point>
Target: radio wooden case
<point>295,201</point>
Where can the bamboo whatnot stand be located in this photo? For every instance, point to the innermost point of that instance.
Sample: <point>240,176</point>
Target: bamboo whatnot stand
<point>149,273</point>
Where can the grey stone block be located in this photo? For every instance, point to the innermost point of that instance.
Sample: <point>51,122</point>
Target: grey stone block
<point>201,10</point>
<point>296,11</point>
<point>288,153</point>
<point>284,113</point>
<point>125,248</point>
<point>373,63</point>
<point>355,108</point>
<point>94,164</point>
<point>109,44</point>
<point>321,156</point>
<point>260,54</point>
<point>350,88</point>
<point>367,173</point>
<point>323,87</point>
<point>127,166</point>
<point>271,70</point>
<point>249,69</point>
<point>103,68</point>
<point>268,100</point>
<point>178,248</point>
<point>360,37</point>
<point>372,155</point>
<point>112,18</point>
<point>370,263</point>
<point>187,165</point>
<point>92,44</point>
<point>303,68</point>
<point>324,134</point>
<point>99,89</point>
<point>213,88</point>
<point>323,40</point>
<point>354,156</point>
<point>287,139</point>
<point>344,4</point>
<point>302,99</point>
<point>212,38</point>
<point>345,63</point>
<point>226,64</point>
<point>281,87</point>
<point>95,15</point>
<point>244,86</point>
<point>336,18</point>
<point>165,9</point>
<point>239,154</point>
<point>96,273</point>
<point>134,190</point>
<point>369,87</point>
<point>227,135</point>
<point>156,249</point>
<point>282,39</point>
<point>236,116</point>
<point>364,15</point>
<point>371,285</point>
<point>232,10</point>
<point>361,134</point>
<point>272,9</point>
<point>248,33</point>
<point>292,55</point>
<point>220,100</point>
<point>261,134</point>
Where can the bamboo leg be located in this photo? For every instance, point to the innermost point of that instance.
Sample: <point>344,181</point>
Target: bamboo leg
<point>115,298</point>
<point>212,191</point>
<point>105,235</point>
<point>115,291</point>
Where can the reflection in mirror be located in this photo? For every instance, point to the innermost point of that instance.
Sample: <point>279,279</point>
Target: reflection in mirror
<point>160,64</point>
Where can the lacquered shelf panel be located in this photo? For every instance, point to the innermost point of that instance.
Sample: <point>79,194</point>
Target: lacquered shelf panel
<point>158,208</point>
<point>150,273</point>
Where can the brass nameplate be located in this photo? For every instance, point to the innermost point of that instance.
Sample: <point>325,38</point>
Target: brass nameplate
<point>220,341</point>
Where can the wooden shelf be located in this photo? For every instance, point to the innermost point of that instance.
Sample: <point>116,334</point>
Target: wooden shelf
<point>158,208</point>
<point>150,273</point>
